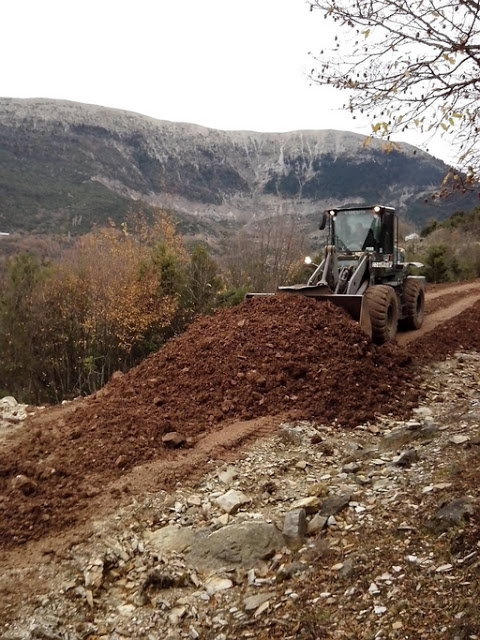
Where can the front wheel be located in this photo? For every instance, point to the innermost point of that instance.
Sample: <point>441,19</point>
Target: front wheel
<point>383,307</point>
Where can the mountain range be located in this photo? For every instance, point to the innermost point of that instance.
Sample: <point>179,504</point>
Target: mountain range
<point>65,166</point>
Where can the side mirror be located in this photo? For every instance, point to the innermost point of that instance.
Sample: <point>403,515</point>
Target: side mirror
<point>323,221</point>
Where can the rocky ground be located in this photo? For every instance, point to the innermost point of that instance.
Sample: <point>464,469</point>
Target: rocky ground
<point>12,415</point>
<point>280,356</point>
<point>316,532</point>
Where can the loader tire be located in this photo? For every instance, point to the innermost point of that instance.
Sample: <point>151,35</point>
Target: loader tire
<point>414,296</point>
<point>383,307</point>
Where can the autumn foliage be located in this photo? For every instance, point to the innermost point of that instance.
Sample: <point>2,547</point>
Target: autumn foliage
<point>113,297</point>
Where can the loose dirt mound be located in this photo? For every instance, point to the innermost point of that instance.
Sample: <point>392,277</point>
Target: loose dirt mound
<point>458,333</point>
<point>276,355</point>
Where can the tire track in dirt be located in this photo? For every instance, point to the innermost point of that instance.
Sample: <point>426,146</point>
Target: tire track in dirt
<point>188,465</point>
<point>466,288</point>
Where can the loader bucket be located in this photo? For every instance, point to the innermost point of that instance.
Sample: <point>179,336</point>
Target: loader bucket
<point>355,305</point>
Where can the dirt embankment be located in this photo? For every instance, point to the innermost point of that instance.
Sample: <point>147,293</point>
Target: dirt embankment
<point>457,333</point>
<point>283,355</point>
<point>443,303</point>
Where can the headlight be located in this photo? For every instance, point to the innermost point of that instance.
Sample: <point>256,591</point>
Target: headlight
<point>308,260</point>
<point>332,213</point>
<point>377,209</point>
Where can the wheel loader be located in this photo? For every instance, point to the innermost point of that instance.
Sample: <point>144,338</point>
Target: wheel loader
<point>364,272</point>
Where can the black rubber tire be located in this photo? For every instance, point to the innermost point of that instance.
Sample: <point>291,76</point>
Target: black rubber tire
<point>383,307</point>
<point>414,296</point>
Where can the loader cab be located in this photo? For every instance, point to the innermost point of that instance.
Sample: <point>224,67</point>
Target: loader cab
<point>358,230</point>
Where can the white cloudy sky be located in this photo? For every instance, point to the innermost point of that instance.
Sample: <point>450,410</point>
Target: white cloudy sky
<point>226,64</point>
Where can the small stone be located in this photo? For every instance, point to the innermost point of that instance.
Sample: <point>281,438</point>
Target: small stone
<point>443,568</point>
<point>223,520</point>
<point>413,425</point>
<point>25,485</point>
<point>349,567</point>
<point>289,435</point>
<point>228,476</point>
<point>295,525</point>
<point>253,602</point>
<point>351,467</point>
<point>194,501</point>
<point>173,440</point>
<point>310,504</point>
<point>231,501</point>
<point>424,412</point>
<point>214,584</point>
<point>120,461</point>
<point>397,625</point>
<point>452,514</point>
<point>302,464</point>
<point>458,439</point>
<point>318,489</point>
<point>93,574</point>
<point>290,570</point>
<point>125,609</point>
<point>176,614</point>
<point>316,524</point>
<point>379,610</point>
<point>334,504</point>
<point>442,485</point>
<point>193,633</point>
<point>89,597</point>
<point>263,607</point>
<point>406,458</point>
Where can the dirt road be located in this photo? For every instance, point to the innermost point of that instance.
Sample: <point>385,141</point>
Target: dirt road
<point>40,529</point>
<point>439,290</point>
<point>442,304</point>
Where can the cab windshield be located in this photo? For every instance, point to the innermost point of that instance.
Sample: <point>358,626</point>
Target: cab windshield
<point>356,230</point>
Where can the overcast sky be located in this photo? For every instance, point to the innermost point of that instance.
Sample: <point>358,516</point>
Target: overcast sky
<point>221,63</point>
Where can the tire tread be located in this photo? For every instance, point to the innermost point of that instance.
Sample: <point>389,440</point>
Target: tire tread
<point>379,298</point>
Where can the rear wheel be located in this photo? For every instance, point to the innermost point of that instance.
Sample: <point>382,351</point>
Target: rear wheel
<point>383,307</point>
<point>414,296</point>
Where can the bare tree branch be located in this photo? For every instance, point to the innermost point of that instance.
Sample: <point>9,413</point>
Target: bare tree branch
<point>408,62</point>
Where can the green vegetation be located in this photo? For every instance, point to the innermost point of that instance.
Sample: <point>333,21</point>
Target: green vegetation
<point>450,249</point>
<point>467,222</point>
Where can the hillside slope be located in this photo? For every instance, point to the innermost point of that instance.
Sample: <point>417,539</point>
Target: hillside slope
<point>65,166</point>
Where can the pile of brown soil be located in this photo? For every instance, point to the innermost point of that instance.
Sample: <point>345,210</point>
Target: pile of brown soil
<point>461,332</point>
<point>283,355</point>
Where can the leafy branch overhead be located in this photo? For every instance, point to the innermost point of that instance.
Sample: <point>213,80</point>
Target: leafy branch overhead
<point>409,64</point>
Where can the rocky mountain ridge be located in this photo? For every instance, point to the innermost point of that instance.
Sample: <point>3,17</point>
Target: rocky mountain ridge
<point>65,166</point>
